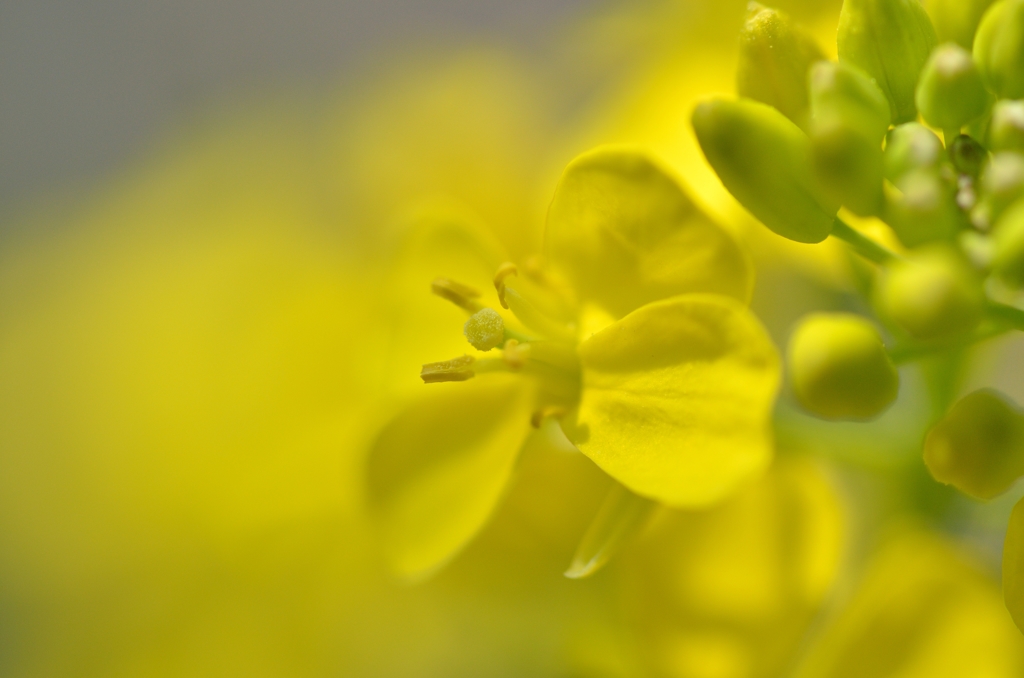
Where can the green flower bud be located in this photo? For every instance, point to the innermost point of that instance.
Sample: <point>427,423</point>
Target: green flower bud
<point>848,167</point>
<point>775,56</point>
<point>921,207</point>
<point>849,118</point>
<point>1006,131</point>
<point>978,447</point>
<point>839,368</point>
<point>999,49</point>
<point>950,93</point>
<point>967,155</point>
<point>1008,243</point>
<point>485,329</point>
<point>957,20</point>
<point>932,294</point>
<point>1002,183</point>
<point>765,162</point>
<point>909,147</point>
<point>890,40</point>
<point>844,93</point>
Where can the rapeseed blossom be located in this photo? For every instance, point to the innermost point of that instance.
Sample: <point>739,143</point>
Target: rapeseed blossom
<point>635,339</point>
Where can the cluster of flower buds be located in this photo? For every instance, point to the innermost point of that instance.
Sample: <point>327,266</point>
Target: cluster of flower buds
<point>920,124</point>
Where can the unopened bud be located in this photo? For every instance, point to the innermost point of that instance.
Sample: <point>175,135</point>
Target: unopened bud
<point>978,447</point>
<point>485,329</point>
<point>957,20</point>
<point>1008,245</point>
<point>921,207</point>
<point>890,40</point>
<point>911,146</point>
<point>1002,184</point>
<point>950,93</point>
<point>849,118</point>
<point>775,56</point>
<point>932,294</point>
<point>967,155</point>
<point>1006,131</point>
<point>765,162</point>
<point>999,49</point>
<point>839,367</point>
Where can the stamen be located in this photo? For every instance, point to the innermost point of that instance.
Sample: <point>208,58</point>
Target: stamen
<point>545,412</point>
<point>456,369</point>
<point>457,293</point>
<point>504,271</point>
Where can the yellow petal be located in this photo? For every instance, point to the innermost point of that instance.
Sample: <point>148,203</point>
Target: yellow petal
<point>437,470</point>
<point>677,398</point>
<point>624,233</point>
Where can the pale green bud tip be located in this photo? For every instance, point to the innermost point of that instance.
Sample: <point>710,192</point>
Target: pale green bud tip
<point>978,447</point>
<point>840,369</point>
<point>950,93</point>
<point>933,294</point>
<point>485,329</point>
<point>765,162</point>
<point>1006,132</point>
<point>775,56</point>
<point>911,146</point>
<point>890,40</point>
<point>999,48</point>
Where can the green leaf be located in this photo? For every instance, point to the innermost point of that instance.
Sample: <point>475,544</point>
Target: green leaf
<point>437,470</point>
<point>677,398</point>
<point>624,234</point>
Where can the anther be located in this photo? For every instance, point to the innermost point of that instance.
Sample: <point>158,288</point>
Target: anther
<point>550,411</point>
<point>461,295</point>
<point>456,369</point>
<point>504,271</point>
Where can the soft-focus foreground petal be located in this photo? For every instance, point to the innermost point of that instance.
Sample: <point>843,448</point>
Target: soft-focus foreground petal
<point>921,610</point>
<point>437,469</point>
<point>732,590</point>
<point>677,398</point>
<point>624,233</point>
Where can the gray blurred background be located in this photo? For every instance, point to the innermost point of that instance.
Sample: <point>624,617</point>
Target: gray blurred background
<point>85,84</point>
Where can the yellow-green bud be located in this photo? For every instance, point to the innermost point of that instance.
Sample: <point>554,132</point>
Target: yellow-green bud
<point>1013,565</point>
<point>849,118</point>
<point>844,93</point>
<point>775,56</point>
<point>485,329</point>
<point>1006,131</point>
<point>957,20</point>
<point>978,447</point>
<point>1002,183</point>
<point>921,207</point>
<point>765,162</point>
<point>932,294</point>
<point>1008,245</point>
<point>909,147</point>
<point>839,368</point>
<point>999,49</point>
<point>890,40</point>
<point>950,93</point>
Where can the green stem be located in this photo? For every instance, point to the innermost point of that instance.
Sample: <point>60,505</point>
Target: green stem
<point>861,244</point>
<point>908,353</point>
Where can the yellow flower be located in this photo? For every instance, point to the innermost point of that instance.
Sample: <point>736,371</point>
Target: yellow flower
<point>635,337</point>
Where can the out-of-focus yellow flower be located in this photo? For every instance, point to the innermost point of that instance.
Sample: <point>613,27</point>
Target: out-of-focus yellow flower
<point>922,609</point>
<point>731,591</point>
<point>649,359</point>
